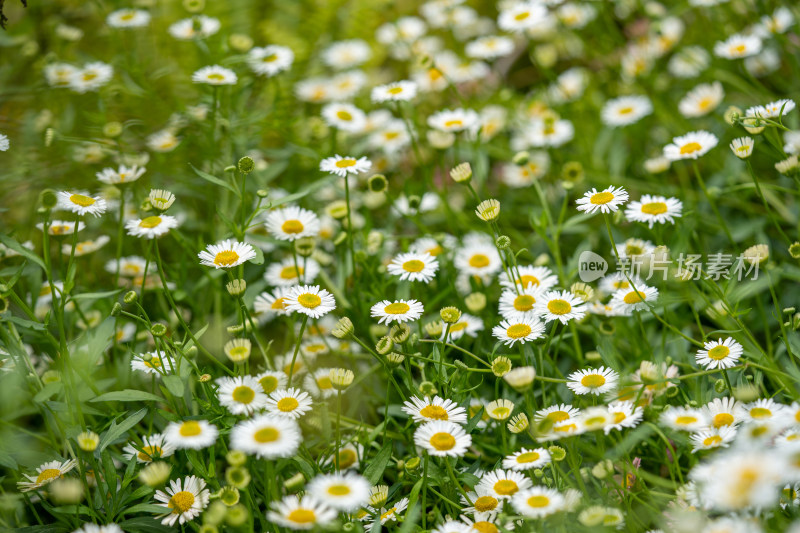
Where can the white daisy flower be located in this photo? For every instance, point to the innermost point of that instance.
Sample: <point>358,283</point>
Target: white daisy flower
<point>226,254</point>
<point>556,413</point>
<point>399,91</point>
<point>292,223</point>
<point>701,100</point>
<point>193,434</point>
<point>286,274</point>
<point>467,325</point>
<point>489,47</point>
<point>719,354</point>
<point>292,403</point>
<point>343,165</point>
<point>344,492</point>
<point>91,77</point>
<point>722,412</point>
<point>626,110</point>
<point>526,459</point>
<point>518,176</point>
<point>86,247</point>
<point>81,204</point>
<point>538,502</point>
<point>478,259</point>
<point>531,277</point>
<point>271,380</point>
<point>521,330</point>
<point>163,141</point>
<point>777,109</point>
<point>398,311</point>
<point>654,210</point>
<point>442,439</point>
<point>521,16</point>
<point>429,202</point>
<point>738,46</point>
<point>708,439</point>
<point>690,146</point>
<point>624,414</point>
<point>414,267</point>
<point>302,513</point>
<point>46,473</point>
<point>215,75</point>
<point>559,305</point>
<point>241,395</point>
<point>131,266</point>
<point>128,18</point>
<point>345,117</point>
<point>348,457</point>
<point>270,60</point>
<point>267,436</point>
<point>152,447</point>
<point>428,410</point>
<point>634,248</point>
<point>742,147</point>
<point>625,301</point>
<point>515,305</point>
<point>185,500</point>
<point>319,383</point>
<point>595,381</point>
<point>5,144</point>
<point>269,304</point>
<point>684,418</point>
<point>502,484</point>
<point>548,133</point>
<point>309,300</point>
<point>121,175</point>
<point>152,226</point>
<point>198,27</point>
<point>346,54</point>
<point>454,120</point>
<point>158,363</point>
<point>762,410</point>
<point>607,201</point>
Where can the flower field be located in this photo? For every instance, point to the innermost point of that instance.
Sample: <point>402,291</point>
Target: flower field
<point>446,266</point>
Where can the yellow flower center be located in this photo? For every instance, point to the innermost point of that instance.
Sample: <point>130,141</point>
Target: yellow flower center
<point>270,58</point>
<point>443,441</point>
<point>154,362</point>
<point>654,208</point>
<point>625,110</point>
<point>538,501</point>
<point>760,412</point>
<point>559,307</point>
<point>601,198</point>
<point>685,420</point>
<point>292,226</point>
<point>528,457</point>
<point>309,301</point>
<point>216,77</point>
<point>517,331</point>
<point>506,487</point>
<point>524,302</point>
<point>81,200</point>
<point>243,394</point>
<point>269,383</point>
<point>290,272</point>
<point>226,258</point>
<point>414,265</point>
<point>150,222</point>
<point>558,416</point>
<point>458,327</point>
<point>713,440</point>
<point>453,123</point>
<point>127,16</point>
<point>395,90</point>
<point>528,280</point>
<point>485,527</point>
<point>302,516</point>
<point>485,503</point>
<point>718,353</point>
<point>324,383</point>
<point>278,304</point>
<point>339,490</point>
<point>190,428</point>
<point>519,17</point>
<point>690,148</point>
<point>619,416</point>
<point>738,49</point>
<point>48,474</point>
<point>593,381</point>
<point>722,419</point>
<point>267,434</point>
<point>397,308</point>
<point>181,502</point>
<point>287,404</point>
<point>347,458</point>
<point>344,115</point>
<point>479,261</point>
<point>434,412</point>
<point>148,452</point>
<point>345,163</point>
<point>89,76</point>
<point>633,297</point>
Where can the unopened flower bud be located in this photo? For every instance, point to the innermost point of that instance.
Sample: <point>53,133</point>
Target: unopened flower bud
<point>476,302</point>
<point>450,315</point>
<point>461,173</point>
<point>236,287</point>
<point>384,345</point>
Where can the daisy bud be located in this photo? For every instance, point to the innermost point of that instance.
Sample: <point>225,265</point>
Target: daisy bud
<point>340,238</point>
<point>794,250</point>
<point>521,378</point>
<point>412,464</point>
<point>395,358</point>
<point>518,423</point>
<point>756,254</point>
<point>237,515</point>
<point>441,140</point>
<point>238,476</point>
<point>732,115</point>
<point>49,134</point>
<point>155,474</point>
<point>337,209</point>
<point>753,125</point>
<point>48,198</point>
<point>208,528</point>
<point>488,210</point>
<point>262,193</point>
<point>246,165</point>
<point>343,329</point>
<point>450,315</point>
<point>158,330</point>
<point>557,453</point>
<point>236,287</point>
<point>378,495</point>
<point>88,441</point>
<point>240,42</point>
<point>459,364</point>
<point>384,345</point>
<point>236,457</point>
<point>399,333</point>
<point>295,483</point>
<point>502,242</point>
<point>582,291</point>
<point>161,199</point>
<point>194,6</point>
<point>746,393</point>
<point>116,309</point>
<point>500,409</point>
<point>594,356</point>
<point>538,472</point>
<point>742,147</point>
<point>215,513</point>
<point>787,165</point>
<point>229,496</point>
<point>434,328</point>
<point>476,302</point>
<point>190,352</point>
<point>501,366</point>
<point>112,129</point>
<point>51,376</point>
<point>602,469</point>
<point>374,241</point>
<point>461,173</point>
<point>305,246</point>
<point>238,350</point>
<point>720,386</point>
<point>66,490</point>
<point>377,183</point>
<point>130,297</point>
<point>521,158</point>
<point>413,202</point>
<point>656,165</point>
<point>341,378</point>
<point>427,388</point>
<point>572,172</point>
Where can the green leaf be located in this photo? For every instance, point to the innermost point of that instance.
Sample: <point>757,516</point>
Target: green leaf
<point>144,524</point>
<point>304,467</point>
<point>95,295</point>
<point>174,384</point>
<point>259,258</point>
<point>48,391</point>
<point>117,430</point>
<point>24,252</point>
<point>303,192</point>
<point>215,180</point>
<point>374,470</point>
<point>127,395</point>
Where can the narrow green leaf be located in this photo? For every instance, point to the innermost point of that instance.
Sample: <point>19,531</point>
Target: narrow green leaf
<point>174,384</point>
<point>374,470</point>
<point>117,430</point>
<point>127,395</point>
<point>215,180</point>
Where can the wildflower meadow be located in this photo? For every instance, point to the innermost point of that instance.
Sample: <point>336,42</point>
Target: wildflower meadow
<point>444,266</point>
